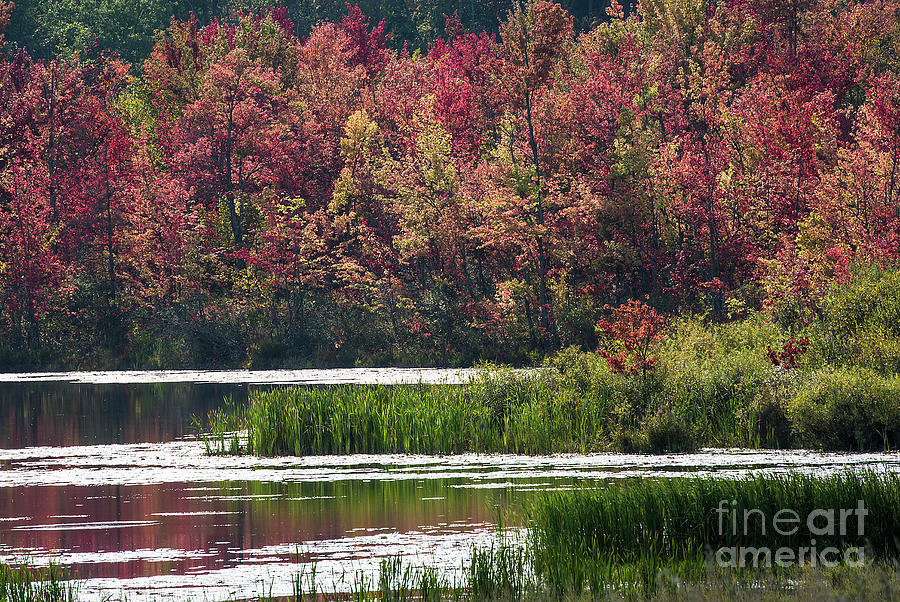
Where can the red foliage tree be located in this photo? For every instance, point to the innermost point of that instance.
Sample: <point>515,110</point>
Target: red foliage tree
<point>368,46</point>
<point>633,331</point>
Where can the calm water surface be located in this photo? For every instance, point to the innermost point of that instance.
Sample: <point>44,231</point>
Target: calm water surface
<point>100,472</point>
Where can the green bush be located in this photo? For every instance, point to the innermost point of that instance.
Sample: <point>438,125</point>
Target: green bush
<point>586,373</point>
<point>849,409</point>
<point>860,322</point>
<point>716,375</point>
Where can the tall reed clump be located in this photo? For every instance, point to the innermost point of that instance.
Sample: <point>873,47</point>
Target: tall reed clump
<point>221,431</point>
<point>29,584</point>
<point>501,412</point>
<point>627,533</point>
<point>365,419</point>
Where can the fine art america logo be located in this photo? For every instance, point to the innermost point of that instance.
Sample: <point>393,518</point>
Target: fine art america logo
<point>753,524</point>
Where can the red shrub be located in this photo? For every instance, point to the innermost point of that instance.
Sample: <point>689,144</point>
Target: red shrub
<point>634,331</point>
<point>791,350</point>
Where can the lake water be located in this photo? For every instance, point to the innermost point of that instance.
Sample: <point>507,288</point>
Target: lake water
<point>100,472</point>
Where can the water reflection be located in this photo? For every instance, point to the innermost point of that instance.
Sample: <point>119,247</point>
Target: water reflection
<point>125,532</point>
<point>63,414</point>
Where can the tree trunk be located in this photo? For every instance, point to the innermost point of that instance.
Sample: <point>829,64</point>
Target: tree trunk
<point>51,147</point>
<point>718,303</point>
<point>228,181</point>
<point>545,309</point>
<point>889,193</point>
<point>111,264</point>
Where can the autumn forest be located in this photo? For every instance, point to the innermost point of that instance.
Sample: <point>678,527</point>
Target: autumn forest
<point>248,194</point>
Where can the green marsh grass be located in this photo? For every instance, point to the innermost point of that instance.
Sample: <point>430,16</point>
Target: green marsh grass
<point>626,533</point>
<point>571,404</point>
<point>516,416</point>
<point>503,574</point>
<point>23,583</point>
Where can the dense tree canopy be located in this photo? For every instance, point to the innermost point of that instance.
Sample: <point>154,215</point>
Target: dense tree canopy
<point>250,194</point>
<point>127,27</point>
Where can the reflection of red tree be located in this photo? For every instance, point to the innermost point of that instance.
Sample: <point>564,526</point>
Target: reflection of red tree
<point>254,522</point>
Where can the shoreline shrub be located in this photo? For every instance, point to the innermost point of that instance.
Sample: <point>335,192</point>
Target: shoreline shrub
<point>854,409</point>
<point>859,323</point>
